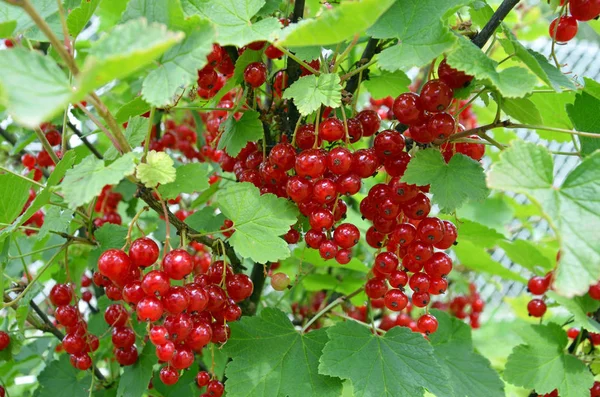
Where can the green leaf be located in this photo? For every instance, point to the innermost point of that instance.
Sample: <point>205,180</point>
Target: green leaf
<point>178,67</point>
<point>418,26</point>
<point>579,307</point>
<point>14,192</point>
<point>513,82</point>
<point>523,110</point>
<point>61,378</point>
<point>537,63</point>
<point>85,181</point>
<point>478,234</point>
<point>401,363</point>
<point>470,373</point>
<point>43,196</point>
<point>571,209</point>
<point>7,28</point>
<point>387,84</point>
<point>592,87</point>
<point>476,258</point>
<point>158,168</point>
<point>271,359</point>
<point>79,16</point>
<point>307,255</point>
<point>494,212</point>
<point>542,364</point>
<point>205,220</point>
<point>452,184</point>
<point>56,219</point>
<point>310,92</point>
<point>166,12</point>
<point>132,108</point>
<point>108,236</point>
<point>233,20</point>
<point>336,25</point>
<point>583,115</point>
<point>13,14</point>
<point>126,49</point>
<point>528,255</point>
<point>33,88</point>
<point>135,378</point>
<point>135,133</point>
<point>553,109</point>
<point>237,133</point>
<point>190,178</point>
<point>259,220</point>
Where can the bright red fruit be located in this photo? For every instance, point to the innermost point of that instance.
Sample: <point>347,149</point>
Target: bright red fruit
<point>178,264</point>
<point>563,28</point>
<point>143,252</point>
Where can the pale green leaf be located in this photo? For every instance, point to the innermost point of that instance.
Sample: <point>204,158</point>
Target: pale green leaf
<point>78,17</point>
<point>592,87</point>
<point>553,109</point>
<point>451,184</point>
<point>135,133</point>
<point>189,178</point>
<point>542,364</point>
<point>14,192</point>
<point>85,181</point>
<point>523,110</point>
<point>400,363</point>
<point>513,82</point>
<point>271,359</point>
<point>387,84</point>
<point>583,114</point>
<point>33,88</point>
<point>494,212</point>
<point>419,26</point>
<point>135,107</point>
<point>469,372</point>
<point>9,13</point>
<point>308,255</point>
<point>478,234</point>
<point>537,63</point>
<point>123,51</point>
<point>178,67</point>
<point>237,133</point>
<point>338,24</point>
<point>571,209</point>
<point>56,219</point>
<point>310,92</point>
<point>108,236</point>
<point>233,19</point>
<point>528,255</point>
<point>476,258</point>
<point>259,221</point>
<point>205,220</point>
<point>158,169</point>
<point>166,12</point>
<point>579,307</point>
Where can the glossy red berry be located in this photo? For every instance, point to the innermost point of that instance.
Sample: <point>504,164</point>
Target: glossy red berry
<point>386,262</point>
<point>310,163</point>
<point>376,288</point>
<point>176,299</point>
<point>149,309</point>
<point>339,160</point>
<point>324,191</point>
<point>439,265</point>
<point>419,282</point>
<point>116,265</point>
<point>450,235</point>
<point>283,156</point>
<point>67,315</point>
<point>116,316</point>
<point>202,378</point>
<point>343,256</point>
<point>331,129</point>
<point>537,285</point>
<point>143,252</point>
<point>156,282</point>
<point>370,121</point>
<point>407,108</point>
<point>168,375</point>
<point>239,287</point>
<point>215,388</point>
<point>388,143</point>
<point>427,324</point>
<point>321,219</point>
<point>395,300</point>
<point>177,264</point>
<point>594,291</point>
<point>61,295</point>
<point>346,235</point>
<point>563,29</point>
<point>536,307</point>
<point>452,77</point>
<point>584,10</point>
<point>298,189</point>
<point>255,74</point>
<point>328,249</point>
<point>436,96</point>
<point>123,337</point>
<point>430,230</point>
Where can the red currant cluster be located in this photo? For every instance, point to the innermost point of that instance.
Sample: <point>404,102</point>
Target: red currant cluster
<point>184,318</point>
<point>565,27</point>
<point>77,342</point>
<point>594,392</point>
<point>461,306</point>
<point>106,204</point>
<point>538,285</point>
<point>43,159</point>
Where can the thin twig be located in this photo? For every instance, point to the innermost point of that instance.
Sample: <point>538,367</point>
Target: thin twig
<point>85,141</point>
<point>495,21</point>
<point>330,306</point>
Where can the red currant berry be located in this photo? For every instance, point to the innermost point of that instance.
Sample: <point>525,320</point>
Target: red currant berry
<point>331,130</point>
<point>143,252</point>
<point>177,264</point>
<point>311,163</point>
<point>407,108</point>
<point>376,288</point>
<point>562,29</point>
<point>395,300</point>
<point>116,265</point>
<point>4,340</point>
<point>149,309</point>
<point>255,74</point>
<point>427,324</point>
<point>61,295</point>
<point>202,378</point>
<point>168,375</point>
<point>537,285</point>
<point>536,307</point>
<point>388,143</point>
<point>436,96</point>
<point>346,235</point>
<point>156,282</point>
<point>584,10</point>
<point>370,121</point>
<point>452,77</point>
<point>339,160</point>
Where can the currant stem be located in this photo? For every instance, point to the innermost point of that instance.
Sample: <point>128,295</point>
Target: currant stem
<point>298,60</point>
<point>149,132</point>
<point>46,145</point>
<point>330,306</point>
